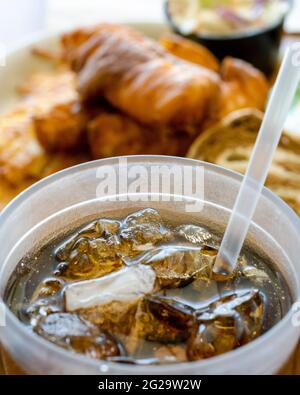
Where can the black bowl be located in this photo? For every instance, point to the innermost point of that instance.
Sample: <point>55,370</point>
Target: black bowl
<point>259,47</point>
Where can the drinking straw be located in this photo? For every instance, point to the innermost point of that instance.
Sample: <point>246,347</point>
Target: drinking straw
<point>260,161</point>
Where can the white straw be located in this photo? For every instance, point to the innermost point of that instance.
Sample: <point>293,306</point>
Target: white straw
<point>266,143</point>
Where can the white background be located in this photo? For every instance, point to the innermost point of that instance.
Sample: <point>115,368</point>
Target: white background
<point>19,18</point>
<point>65,13</point>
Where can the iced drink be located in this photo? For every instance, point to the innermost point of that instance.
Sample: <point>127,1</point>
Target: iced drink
<point>140,290</point>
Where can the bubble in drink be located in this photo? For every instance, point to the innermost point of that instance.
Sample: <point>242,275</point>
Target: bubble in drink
<point>140,290</point>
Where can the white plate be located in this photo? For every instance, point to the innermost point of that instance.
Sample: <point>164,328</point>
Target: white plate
<point>20,63</point>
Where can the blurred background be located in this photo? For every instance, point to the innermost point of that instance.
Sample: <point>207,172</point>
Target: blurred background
<point>19,18</point>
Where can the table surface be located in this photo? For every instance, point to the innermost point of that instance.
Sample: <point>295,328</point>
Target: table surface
<point>69,13</point>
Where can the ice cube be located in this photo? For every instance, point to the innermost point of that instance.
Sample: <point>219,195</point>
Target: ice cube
<point>141,231</point>
<point>194,234</point>
<point>230,322</point>
<point>72,332</point>
<point>172,312</point>
<point>101,247</point>
<point>108,227</point>
<point>124,285</point>
<point>116,317</point>
<point>41,308</point>
<point>254,274</point>
<point>160,319</point>
<point>103,228</point>
<point>47,288</point>
<point>147,216</point>
<point>59,326</point>
<point>178,265</point>
<point>64,251</point>
<point>171,353</point>
<point>89,258</point>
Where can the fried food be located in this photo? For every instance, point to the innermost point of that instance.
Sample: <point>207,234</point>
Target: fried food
<point>52,164</point>
<point>44,97</point>
<point>8,191</point>
<point>74,50</point>
<point>176,83</point>
<point>62,127</point>
<point>58,114</point>
<point>243,87</point>
<point>139,77</point>
<point>21,155</point>
<point>45,87</point>
<point>115,92</point>
<point>72,41</point>
<point>230,143</point>
<point>62,160</point>
<point>114,134</point>
<point>190,51</point>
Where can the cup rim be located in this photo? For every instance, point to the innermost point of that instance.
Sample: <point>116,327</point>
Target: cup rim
<point>138,369</point>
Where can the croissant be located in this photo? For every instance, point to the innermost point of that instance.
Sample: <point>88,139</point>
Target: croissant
<point>139,77</point>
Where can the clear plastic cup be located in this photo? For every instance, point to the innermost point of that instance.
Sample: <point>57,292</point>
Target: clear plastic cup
<point>69,197</point>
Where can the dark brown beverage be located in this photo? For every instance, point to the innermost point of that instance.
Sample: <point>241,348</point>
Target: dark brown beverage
<point>140,290</point>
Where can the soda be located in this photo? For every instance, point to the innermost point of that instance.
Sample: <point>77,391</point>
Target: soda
<point>140,290</point>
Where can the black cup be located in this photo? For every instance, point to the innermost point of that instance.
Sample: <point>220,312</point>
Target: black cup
<point>259,47</point>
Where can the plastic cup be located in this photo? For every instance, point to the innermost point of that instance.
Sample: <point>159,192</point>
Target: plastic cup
<point>69,197</point>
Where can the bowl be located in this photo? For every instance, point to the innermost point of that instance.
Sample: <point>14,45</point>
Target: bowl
<point>260,47</point>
